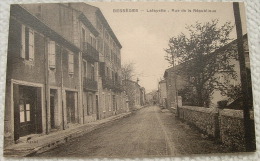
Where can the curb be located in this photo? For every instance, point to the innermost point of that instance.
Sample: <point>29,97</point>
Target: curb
<point>62,140</point>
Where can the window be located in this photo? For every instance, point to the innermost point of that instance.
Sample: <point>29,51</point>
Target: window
<point>71,63</point>
<point>93,41</point>
<point>52,56</point>
<point>83,35</point>
<point>107,72</point>
<point>104,102</point>
<point>107,51</point>
<point>99,26</point>
<point>27,37</point>
<point>110,103</point>
<point>25,112</point>
<point>92,72</point>
<point>106,35</point>
<point>100,45</point>
<point>85,69</point>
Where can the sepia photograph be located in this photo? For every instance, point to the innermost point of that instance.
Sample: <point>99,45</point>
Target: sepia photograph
<point>128,80</point>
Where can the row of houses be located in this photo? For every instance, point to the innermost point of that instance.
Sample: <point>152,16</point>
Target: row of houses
<point>175,89</point>
<point>135,93</point>
<point>63,69</point>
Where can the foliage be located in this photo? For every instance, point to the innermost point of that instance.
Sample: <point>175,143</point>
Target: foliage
<point>128,73</point>
<point>234,92</point>
<point>203,53</point>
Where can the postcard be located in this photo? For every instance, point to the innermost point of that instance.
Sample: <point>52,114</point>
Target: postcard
<point>127,80</point>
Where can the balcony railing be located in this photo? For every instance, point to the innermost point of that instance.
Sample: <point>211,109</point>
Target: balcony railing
<point>107,82</point>
<point>90,53</point>
<point>89,84</point>
<point>111,84</point>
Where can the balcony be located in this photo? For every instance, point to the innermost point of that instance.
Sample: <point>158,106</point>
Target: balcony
<point>89,84</point>
<point>110,84</point>
<point>107,82</point>
<point>90,53</point>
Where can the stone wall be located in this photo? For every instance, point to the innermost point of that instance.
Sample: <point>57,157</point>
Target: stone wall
<point>232,128</point>
<point>198,115</point>
<point>225,125</point>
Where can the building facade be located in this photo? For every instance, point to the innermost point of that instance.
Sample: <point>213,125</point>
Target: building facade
<point>135,94</point>
<point>162,92</point>
<point>63,69</point>
<point>177,82</point>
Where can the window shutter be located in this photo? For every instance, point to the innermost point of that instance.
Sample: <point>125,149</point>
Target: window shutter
<point>31,44</point>
<point>52,56</point>
<point>22,54</point>
<point>71,63</point>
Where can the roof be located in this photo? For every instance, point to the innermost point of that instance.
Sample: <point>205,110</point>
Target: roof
<point>27,18</point>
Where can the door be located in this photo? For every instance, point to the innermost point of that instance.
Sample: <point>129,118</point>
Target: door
<point>70,107</point>
<point>97,107</point>
<point>114,102</point>
<point>52,108</point>
<point>27,108</point>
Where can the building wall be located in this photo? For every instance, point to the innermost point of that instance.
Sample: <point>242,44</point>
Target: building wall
<point>162,93</point>
<point>26,72</point>
<point>225,76</point>
<point>181,83</point>
<point>57,82</point>
<point>222,76</point>
<point>58,16</point>
<point>34,72</point>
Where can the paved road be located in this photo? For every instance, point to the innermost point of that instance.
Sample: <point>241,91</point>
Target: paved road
<point>148,132</point>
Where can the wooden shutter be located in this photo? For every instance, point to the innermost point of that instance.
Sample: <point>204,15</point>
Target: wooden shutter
<point>52,56</point>
<point>71,63</point>
<point>22,54</point>
<point>31,45</point>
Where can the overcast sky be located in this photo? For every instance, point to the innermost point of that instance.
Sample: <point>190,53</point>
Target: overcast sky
<point>144,35</point>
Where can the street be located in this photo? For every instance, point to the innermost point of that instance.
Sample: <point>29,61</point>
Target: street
<point>150,131</point>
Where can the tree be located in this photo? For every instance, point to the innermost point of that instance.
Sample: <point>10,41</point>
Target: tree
<point>203,53</point>
<point>128,74</point>
<point>128,71</point>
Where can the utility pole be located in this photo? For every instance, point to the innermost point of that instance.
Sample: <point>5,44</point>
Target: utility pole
<point>175,85</point>
<point>244,81</point>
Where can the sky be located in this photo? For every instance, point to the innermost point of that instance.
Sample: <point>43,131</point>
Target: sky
<point>144,35</point>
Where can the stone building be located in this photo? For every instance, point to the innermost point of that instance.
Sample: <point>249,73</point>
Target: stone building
<point>63,69</point>
<point>42,82</point>
<point>135,93</point>
<point>111,96</point>
<point>162,93</point>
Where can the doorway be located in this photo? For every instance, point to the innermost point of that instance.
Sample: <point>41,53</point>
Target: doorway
<point>97,107</point>
<point>53,107</point>
<point>70,101</point>
<point>27,110</point>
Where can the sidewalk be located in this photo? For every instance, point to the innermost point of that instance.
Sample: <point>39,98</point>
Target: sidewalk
<point>46,142</point>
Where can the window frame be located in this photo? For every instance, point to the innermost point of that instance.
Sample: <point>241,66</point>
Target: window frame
<point>27,43</point>
<point>71,63</point>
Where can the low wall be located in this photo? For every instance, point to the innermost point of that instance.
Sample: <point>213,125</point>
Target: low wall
<point>232,128</point>
<point>206,119</point>
<point>226,125</point>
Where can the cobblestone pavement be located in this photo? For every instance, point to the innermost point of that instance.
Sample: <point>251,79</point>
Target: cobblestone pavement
<point>150,131</point>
